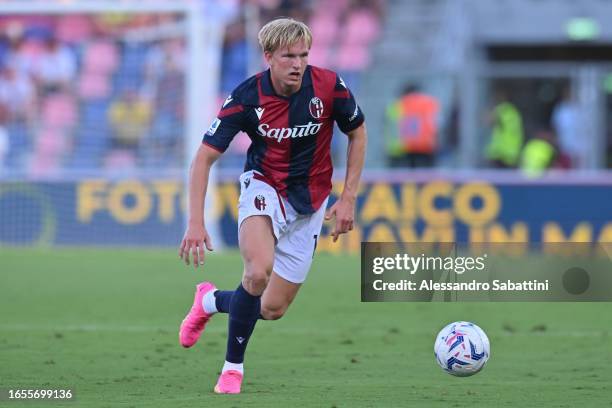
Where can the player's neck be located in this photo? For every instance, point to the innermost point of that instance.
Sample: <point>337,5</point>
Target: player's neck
<point>282,89</point>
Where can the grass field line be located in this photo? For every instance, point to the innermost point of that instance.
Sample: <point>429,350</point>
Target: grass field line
<point>169,329</point>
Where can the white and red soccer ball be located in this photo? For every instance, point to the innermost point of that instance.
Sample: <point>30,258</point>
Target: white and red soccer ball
<point>462,349</point>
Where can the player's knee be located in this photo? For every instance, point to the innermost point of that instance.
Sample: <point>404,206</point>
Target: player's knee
<point>254,281</point>
<point>272,313</point>
<point>255,264</point>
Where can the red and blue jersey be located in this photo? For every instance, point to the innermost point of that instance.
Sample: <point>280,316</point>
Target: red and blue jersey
<point>291,136</point>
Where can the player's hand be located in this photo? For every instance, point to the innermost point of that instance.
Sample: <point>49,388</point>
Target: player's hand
<point>344,211</point>
<point>193,243</point>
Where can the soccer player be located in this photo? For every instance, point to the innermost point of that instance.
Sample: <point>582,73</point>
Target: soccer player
<point>288,111</point>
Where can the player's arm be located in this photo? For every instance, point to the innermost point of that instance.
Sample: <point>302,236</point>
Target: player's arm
<point>196,235</point>
<point>351,121</point>
<point>228,122</point>
<point>344,208</point>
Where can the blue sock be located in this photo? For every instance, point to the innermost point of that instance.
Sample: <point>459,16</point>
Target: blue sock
<point>244,312</point>
<point>223,299</point>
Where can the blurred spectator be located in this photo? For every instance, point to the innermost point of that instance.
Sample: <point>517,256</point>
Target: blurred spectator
<point>539,154</point>
<point>17,107</point>
<point>59,76</point>
<point>222,11</point>
<point>17,94</point>
<point>55,69</point>
<point>4,146</point>
<point>360,27</point>
<point>297,9</point>
<point>412,129</point>
<point>21,53</point>
<point>164,145</point>
<point>130,118</point>
<point>565,122</point>
<point>506,141</point>
<point>49,150</point>
<point>163,58</point>
<point>234,61</point>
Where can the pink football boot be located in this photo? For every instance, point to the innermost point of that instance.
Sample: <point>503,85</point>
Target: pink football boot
<point>193,324</point>
<point>229,382</point>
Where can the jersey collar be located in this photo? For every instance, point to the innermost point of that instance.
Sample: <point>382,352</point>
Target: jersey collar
<point>268,89</point>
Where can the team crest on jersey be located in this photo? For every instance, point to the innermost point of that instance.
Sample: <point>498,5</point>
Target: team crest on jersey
<point>260,202</point>
<point>316,107</point>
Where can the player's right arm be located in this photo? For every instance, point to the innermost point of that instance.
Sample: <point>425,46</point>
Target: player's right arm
<point>228,122</point>
<point>196,235</point>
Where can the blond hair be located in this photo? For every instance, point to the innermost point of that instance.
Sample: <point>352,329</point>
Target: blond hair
<point>283,32</point>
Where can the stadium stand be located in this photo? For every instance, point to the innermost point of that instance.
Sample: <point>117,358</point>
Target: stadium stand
<point>70,76</point>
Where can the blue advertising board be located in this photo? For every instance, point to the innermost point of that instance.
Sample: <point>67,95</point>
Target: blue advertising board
<point>136,212</point>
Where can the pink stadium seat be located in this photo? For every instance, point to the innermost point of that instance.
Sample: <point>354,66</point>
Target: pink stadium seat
<point>101,57</point>
<point>362,27</point>
<point>353,57</point>
<point>32,49</point>
<point>333,7</point>
<point>50,146</point>
<point>74,28</point>
<point>94,85</point>
<point>268,4</point>
<point>118,160</point>
<point>318,55</point>
<point>59,111</point>
<point>50,141</point>
<point>324,28</point>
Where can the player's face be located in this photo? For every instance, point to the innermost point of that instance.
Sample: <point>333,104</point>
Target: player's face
<point>287,66</point>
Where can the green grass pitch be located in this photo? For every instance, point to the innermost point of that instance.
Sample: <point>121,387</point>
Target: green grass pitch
<point>104,323</point>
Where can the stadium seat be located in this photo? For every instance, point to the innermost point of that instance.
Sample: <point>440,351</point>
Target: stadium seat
<point>319,55</point>
<point>235,61</point>
<point>352,57</point>
<point>101,57</point>
<point>333,7</point>
<point>31,49</point>
<point>73,28</point>
<point>324,28</point>
<point>133,60</point>
<point>119,160</point>
<point>362,27</point>
<point>91,145</point>
<point>94,86</point>
<point>50,147</point>
<point>19,143</point>
<point>59,111</point>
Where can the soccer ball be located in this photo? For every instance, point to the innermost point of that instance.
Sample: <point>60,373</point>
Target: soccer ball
<point>462,349</point>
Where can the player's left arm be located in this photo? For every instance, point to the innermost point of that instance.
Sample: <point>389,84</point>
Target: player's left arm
<point>344,208</point>
<point>351,121</point>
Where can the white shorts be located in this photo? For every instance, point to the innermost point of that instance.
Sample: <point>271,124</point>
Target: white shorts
<point>296,235</point>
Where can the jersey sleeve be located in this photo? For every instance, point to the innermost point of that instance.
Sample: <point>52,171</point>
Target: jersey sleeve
<point>226,125</point>
<point>347,113</point>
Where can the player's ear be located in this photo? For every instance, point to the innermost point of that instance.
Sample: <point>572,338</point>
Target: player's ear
<point>268,56</point>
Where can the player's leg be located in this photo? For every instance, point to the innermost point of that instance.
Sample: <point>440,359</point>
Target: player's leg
<point>256,241</point>
<point>292,260</point>
<point>293,257</point>
<point>275,300</point>
<point>277,297</point>
<point>257,198</point>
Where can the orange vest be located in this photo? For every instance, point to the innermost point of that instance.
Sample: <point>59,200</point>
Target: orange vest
<point>415,115</point>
